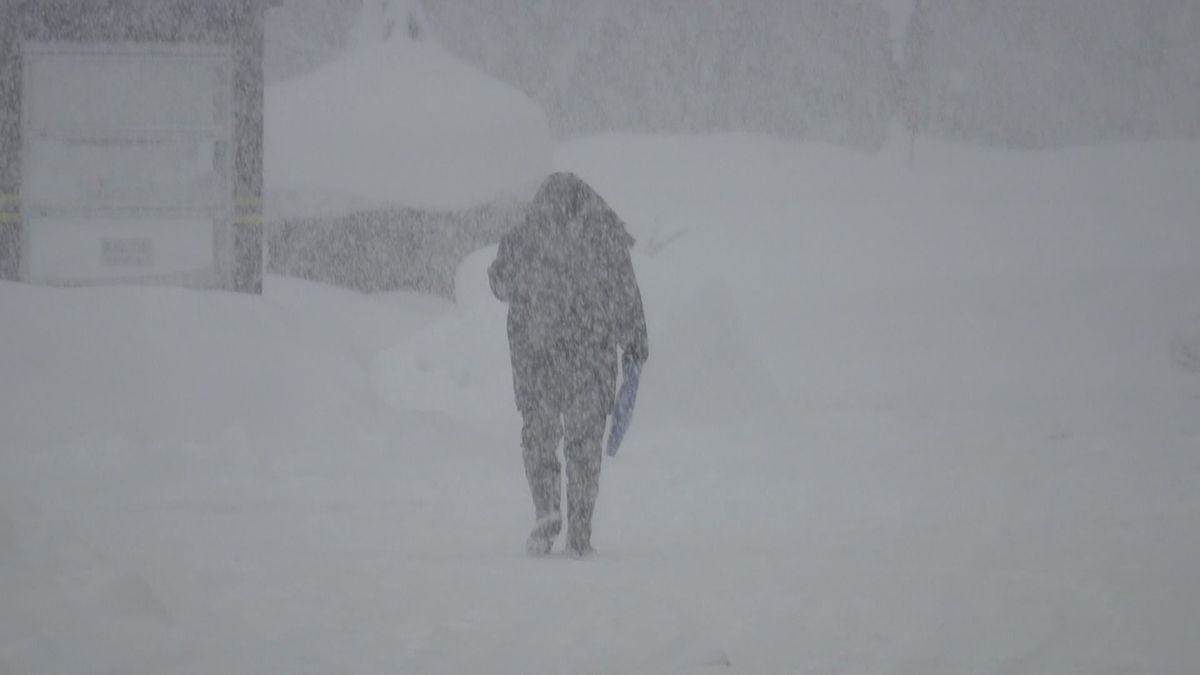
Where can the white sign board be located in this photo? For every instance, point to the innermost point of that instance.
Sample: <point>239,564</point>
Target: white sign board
<point>126,161</point>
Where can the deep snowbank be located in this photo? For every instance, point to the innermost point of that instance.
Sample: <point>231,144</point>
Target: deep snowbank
<point>975,279</point>
<point>172,365</point>
<point>140,425</point>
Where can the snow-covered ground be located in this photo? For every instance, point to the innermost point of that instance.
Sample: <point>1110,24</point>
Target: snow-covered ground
<point>931,420</point>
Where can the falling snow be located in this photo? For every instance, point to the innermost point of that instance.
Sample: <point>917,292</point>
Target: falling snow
<point>914,282</point>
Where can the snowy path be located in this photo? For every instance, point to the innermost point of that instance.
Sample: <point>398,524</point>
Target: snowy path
<point>933,552</point>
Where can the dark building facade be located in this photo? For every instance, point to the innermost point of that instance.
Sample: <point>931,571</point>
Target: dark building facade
<point>131,141</point>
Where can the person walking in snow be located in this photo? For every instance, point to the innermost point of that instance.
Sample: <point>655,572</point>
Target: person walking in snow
<point>574,307</point>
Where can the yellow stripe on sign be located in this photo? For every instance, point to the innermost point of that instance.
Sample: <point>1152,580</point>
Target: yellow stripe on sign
<point>9,201</point>
<point>248,219</point>
<point>8,218</point>
<point>249,201</point>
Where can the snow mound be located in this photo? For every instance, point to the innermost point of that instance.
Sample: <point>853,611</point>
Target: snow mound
<point>400,122</point>
<point>471,285</point>
<point>457,365</point>
<point>849,280</point>
<point>703,367</point>
<point>163,365</point>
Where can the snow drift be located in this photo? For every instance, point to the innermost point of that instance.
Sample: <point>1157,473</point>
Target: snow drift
<point>398,121</point>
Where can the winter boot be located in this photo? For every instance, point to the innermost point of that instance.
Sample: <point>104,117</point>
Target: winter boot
<point>583,455</point>
<point>580,502</point>
<point>540,440</point>
<point>545,531</point>
<point>579,549</point>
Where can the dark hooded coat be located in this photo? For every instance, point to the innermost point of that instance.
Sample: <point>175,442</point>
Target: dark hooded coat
<point>574,303</point>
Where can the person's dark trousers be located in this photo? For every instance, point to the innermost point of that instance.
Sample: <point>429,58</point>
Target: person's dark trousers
<point>582,423</point>
<point>540,435</point>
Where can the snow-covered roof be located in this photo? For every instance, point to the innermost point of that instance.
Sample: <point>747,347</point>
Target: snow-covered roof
<point>398,121</point>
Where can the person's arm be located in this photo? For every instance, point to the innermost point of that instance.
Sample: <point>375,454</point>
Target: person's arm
<point>635,344</point>
<point>502,272</point>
